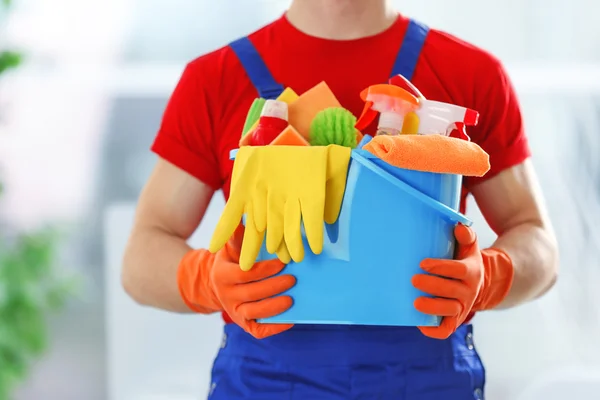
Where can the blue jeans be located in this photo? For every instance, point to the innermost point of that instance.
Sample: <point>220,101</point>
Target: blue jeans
<point>311,362</point>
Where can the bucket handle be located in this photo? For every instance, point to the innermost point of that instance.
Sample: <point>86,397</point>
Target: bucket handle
<point>441,208</point>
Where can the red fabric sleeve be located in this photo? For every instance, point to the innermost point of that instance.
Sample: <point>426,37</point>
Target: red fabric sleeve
<point>185,138</point>
<point>500,131</point>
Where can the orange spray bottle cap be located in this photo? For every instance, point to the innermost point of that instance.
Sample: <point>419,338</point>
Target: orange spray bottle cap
<point>391,101</point>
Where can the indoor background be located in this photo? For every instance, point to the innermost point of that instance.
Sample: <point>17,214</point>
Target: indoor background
<point>77,118</point>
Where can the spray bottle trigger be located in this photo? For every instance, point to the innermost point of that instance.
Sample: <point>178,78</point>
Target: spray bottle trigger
<point>458,130</point>
<point>368,115</point>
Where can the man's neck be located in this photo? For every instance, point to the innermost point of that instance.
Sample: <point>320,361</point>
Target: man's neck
<point>341,19</point>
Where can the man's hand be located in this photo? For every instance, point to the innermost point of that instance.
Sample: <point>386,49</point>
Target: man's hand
<point>169,210</point>
<point>475,280</point>
<point>214,282</point>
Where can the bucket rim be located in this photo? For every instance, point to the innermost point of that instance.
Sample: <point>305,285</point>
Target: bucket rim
<point>364,153</point>
<point>437,206</point>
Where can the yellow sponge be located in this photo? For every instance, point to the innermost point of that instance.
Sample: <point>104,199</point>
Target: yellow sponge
<point>411,124</point>
<point>288,96</point>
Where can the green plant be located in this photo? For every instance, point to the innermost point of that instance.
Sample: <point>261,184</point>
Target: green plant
<point>30,288</point>
<point>8,59</point>
<point>30,285</point>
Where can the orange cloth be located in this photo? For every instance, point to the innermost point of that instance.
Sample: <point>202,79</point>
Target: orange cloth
<point>476,280</point>
<point>214,282</point>
<point>431,153</point>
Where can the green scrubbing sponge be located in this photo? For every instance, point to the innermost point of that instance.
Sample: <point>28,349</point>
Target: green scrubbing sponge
<point>253,114</point>
<point>333,125</point>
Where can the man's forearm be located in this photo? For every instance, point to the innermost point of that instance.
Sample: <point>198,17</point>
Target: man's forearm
<point>534,254</point>
<point>150,269</point>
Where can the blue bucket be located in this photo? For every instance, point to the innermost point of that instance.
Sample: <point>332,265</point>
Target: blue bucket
<point>391,219</point>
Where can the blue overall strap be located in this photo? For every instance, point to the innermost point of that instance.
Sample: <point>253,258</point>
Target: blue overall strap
<point>410,50</point>
<point>256,69</point>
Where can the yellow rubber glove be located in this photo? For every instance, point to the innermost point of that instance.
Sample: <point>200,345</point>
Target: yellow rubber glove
<point>277,188</point>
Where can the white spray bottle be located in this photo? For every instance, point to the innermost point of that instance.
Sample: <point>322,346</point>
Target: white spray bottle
<point>439,118</point>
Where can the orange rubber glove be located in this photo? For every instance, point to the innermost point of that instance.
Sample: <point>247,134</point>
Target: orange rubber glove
<point>214,282</point>
<point>476,280</point>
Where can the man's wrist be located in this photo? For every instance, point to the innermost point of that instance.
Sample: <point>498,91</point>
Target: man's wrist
<point>498,279</point>
<point>193,281</point>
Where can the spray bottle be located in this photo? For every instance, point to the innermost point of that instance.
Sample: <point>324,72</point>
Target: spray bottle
<point>440,118</point>
<point>392,103</point>
<point>273,120</point>
<point>446,119</point>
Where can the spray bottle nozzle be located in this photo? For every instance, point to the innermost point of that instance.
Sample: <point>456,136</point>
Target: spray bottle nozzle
<point>385,98</point>
<point>400,81</point>
<point>438,117</point>
<point>442,118</point>
<point>471,117</point>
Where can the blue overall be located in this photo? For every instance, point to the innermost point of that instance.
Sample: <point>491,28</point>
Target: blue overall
<point>332,362</point>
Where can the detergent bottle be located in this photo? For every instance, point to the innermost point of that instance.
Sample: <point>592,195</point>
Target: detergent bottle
<point>391,102</point>
<point>273,120</point>
<point>435,117</point>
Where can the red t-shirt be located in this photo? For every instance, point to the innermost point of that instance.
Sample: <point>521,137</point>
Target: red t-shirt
<point>206,112</point>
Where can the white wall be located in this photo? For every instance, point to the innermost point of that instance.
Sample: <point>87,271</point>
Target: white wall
<point>152,354</point>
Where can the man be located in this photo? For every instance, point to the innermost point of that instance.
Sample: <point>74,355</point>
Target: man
<point>350,44</point>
